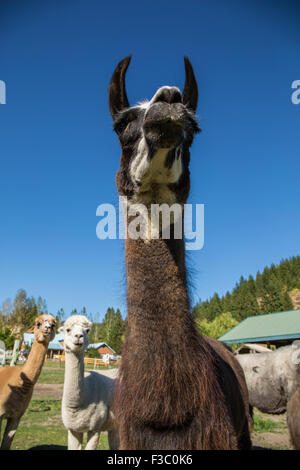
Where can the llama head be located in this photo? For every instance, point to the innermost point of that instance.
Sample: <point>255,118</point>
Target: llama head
<point>44,328</point>
<point>155,138</point>
<point>76,329</point>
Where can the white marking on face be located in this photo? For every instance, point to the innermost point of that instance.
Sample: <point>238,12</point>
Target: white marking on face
<point>140,163</point>
<point>147,172</point>
<point>152,177</point>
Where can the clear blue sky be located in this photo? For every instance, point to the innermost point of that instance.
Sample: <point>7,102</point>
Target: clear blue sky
<point>59,155</point>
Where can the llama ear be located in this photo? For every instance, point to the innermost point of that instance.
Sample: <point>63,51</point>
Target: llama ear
<point>117,96</point>
<point>190,92</point>
<point>31,330</point>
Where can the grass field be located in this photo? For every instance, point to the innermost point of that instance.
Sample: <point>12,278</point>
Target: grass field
<point>270,431</point>
<point>51,364</point>
<point>41,427</point>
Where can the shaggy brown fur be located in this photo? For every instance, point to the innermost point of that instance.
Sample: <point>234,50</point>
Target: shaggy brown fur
<point>176,389</point>
<point>293,419</point>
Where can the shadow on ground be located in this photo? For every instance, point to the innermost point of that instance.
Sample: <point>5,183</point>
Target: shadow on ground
<point>48,447</point>
<point>260,448</point>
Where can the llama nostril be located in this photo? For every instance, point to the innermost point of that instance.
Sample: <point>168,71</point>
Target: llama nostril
<point>175,97</point>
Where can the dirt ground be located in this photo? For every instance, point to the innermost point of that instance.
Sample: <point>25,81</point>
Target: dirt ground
<point>53,390</point>
<point>276,440</point>
<point>56,390</point>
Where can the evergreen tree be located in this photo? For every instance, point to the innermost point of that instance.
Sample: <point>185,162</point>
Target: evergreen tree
<point>273,300</point>
<point>252,286</point>
<point>113,329</point>
<point>287,302</point>
<point>83,312</point>
<point>60,317</point>
<point>259,285</point>
<point>268,292</point>
<point>227,303</point>
<point>214,307</point>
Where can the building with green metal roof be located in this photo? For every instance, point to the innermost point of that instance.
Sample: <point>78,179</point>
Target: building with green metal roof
<point>272,328</point>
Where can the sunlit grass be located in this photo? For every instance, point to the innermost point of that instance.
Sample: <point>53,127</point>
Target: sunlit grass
<point>42,427</point>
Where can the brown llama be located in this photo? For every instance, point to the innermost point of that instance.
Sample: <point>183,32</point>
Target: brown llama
<point>176,389</point>
<point>16,383</point>
<point>293,419</point>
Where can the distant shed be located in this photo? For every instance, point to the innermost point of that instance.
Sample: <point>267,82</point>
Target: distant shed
<point>102,348</point>
<point>251,348</point>
<point>278,328</point>
<point>55,347</point>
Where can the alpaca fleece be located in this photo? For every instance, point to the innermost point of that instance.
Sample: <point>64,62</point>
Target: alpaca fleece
<point>87,399</point>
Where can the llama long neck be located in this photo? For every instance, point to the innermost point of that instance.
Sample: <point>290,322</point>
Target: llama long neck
<point>161,354</point>
<point>168,395</point>
<point>74,380</point>
<point>33,366</point>
<point>157,293</point>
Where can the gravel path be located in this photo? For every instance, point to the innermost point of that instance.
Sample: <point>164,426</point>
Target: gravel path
<point>56,390</point>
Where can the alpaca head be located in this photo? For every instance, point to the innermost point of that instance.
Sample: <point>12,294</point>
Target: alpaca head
<point>76,329</point>
<point>44,328</point>
<point>155,137</point>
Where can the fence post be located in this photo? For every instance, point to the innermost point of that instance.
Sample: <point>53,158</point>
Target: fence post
<point>15,354</point>
<point>2,353</point>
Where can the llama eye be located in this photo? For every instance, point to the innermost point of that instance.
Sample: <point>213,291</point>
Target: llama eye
<point>38,324</point>
<point>120,127</point>
<point>125,119</point>
<point>68,330</point>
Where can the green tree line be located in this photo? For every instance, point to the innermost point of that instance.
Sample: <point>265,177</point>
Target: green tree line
<point>17,316</point>
<point>268,292</point>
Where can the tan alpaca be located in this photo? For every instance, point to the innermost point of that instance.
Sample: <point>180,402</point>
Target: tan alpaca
<point>16,383</point>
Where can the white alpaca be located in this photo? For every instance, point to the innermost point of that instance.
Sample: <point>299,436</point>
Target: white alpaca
<point>87,400</point>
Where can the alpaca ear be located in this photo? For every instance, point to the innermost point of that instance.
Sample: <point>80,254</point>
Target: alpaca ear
<point>190,92</point>
<point>117,96</point>
<point>31,330</point>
